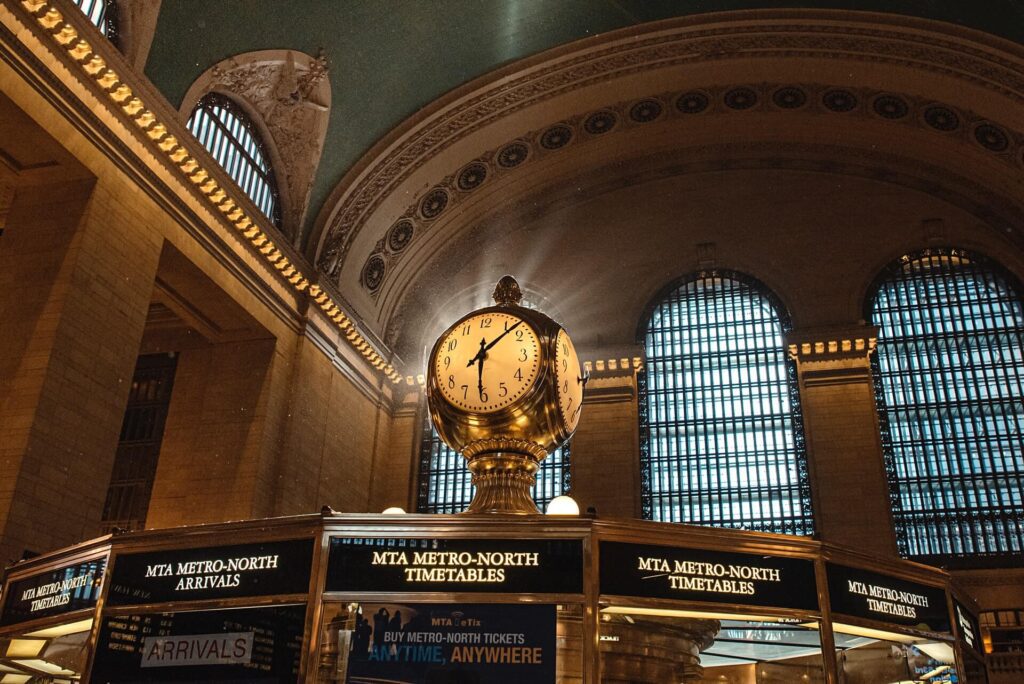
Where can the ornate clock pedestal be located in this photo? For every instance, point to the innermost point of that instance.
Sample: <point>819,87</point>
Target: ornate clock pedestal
<point>504,388</point>
<point>504,471</point>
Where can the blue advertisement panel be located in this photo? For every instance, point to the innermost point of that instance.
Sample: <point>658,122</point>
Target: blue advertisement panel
<point>403,643</point>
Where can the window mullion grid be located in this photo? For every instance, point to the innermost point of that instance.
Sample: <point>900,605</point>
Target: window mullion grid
<point>957,345</point>
<point>972,523</point>
<point>947,378</point>
<point>706,400</point>
<point>899,369</point>
<point>677,337</point>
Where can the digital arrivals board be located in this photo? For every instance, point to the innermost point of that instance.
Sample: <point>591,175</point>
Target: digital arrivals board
<point>551,566</point>
<point>666,572</point>
<point>884,598</point>
<point>213,572</point>
<point>54,592</point>
<point>437,643</point>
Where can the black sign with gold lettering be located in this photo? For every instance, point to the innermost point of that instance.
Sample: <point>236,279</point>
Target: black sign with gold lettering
<point>53,592</point>
<point>548,566</point>
<point>214,572</point>
<point>874,596</point>
<point>699,575</point>
<point>968,627</point>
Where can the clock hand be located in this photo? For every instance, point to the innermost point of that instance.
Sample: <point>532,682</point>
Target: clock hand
<point>480,354</point>
<point>479,360</point>
<point>480,373</point>
<point>496,339</point>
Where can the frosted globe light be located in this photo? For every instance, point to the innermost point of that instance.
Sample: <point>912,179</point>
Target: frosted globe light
<point>563,505</point>
<point>394,510</point>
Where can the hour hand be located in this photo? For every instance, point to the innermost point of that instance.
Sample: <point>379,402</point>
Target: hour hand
<point>480,355</point>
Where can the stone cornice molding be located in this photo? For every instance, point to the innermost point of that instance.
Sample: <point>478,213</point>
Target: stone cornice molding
<point>65,34</point>
<point>958,53</point>
<point>832,343</point>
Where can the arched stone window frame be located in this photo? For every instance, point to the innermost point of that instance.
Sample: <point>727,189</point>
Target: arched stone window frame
<point>287,97</point>
<point>967,522</point>
<point>252,159</point>
<point>801,522</point>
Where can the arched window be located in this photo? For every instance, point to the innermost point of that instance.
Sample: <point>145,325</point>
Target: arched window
<point>721,434</point>
<point>226,131</point>
<point>102,13</point>
<point>444,483</point>
<point>949,373</point>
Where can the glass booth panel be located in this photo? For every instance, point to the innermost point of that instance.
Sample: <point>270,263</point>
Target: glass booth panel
<point>46,654</point>
<point>653,646</point>
<point>410,642</point>
<point>242,645</point>
<point>868,656</point>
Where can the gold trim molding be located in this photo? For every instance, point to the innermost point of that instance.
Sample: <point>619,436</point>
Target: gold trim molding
<point>168,140</point>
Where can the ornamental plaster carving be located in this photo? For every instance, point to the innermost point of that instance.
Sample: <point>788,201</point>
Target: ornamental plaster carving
<point>933,47</point>
<point>289,95</point>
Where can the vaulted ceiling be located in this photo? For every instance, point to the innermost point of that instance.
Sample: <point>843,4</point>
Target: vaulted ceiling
<point>598,156</point>
<point>389,59</point>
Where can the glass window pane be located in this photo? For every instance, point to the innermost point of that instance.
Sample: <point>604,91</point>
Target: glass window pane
<point>948,376</point>
<point>228,134</point>
<point>722,440</point>
<point>101,13</point>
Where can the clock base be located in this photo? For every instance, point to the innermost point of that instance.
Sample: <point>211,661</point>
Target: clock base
<point>503,481</point>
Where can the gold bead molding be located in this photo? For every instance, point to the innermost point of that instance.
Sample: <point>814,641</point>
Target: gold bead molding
<point>177,152</point>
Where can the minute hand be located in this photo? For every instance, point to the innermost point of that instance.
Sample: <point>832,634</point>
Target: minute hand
<point>498,338</point>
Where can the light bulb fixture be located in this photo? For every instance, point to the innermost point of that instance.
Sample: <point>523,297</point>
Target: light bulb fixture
<point>563,505</point>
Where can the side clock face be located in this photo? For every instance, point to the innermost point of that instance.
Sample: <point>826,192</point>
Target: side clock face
<point>487,362</point>
<point>570,380</point>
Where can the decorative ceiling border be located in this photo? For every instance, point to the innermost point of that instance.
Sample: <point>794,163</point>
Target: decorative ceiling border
<point>945,120</point>
<point>172,144</point>
<point>897,40</point>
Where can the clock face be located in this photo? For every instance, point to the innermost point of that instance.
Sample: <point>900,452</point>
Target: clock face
<point>487,362</point>
<point>570,380</point>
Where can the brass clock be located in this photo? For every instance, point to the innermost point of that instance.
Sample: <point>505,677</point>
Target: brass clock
<point>505,389</point>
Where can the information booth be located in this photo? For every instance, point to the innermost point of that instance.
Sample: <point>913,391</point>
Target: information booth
<point>478,598</point>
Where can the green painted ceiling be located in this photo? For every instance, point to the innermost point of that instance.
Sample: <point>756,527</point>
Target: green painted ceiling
<point>389,58</point>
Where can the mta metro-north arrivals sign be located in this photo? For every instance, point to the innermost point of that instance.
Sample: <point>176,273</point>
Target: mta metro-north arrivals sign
<point>434,643</point>
<point>875,596</point>
<point>54,592</point>
<point>552,566</point>
<point>213,572</point>
<point>666,572</point>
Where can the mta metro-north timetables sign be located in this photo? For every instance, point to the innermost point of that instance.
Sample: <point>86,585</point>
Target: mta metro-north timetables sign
<point>404,643</point>
<point>548,566</point>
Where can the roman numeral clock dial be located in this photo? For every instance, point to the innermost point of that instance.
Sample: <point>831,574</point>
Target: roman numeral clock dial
<point>486,362</point>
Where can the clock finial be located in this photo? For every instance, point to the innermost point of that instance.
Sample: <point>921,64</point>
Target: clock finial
<point>507,292</point>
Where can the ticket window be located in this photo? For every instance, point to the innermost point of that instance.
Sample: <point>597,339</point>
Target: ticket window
<point>57,653</point>
<point>869,656</point>
<point>450,643</point>
<point>654,645</point>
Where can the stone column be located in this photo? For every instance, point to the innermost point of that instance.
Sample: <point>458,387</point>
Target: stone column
<point>76,274</point>
<point>605,448</point>
<point>848,480</point>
